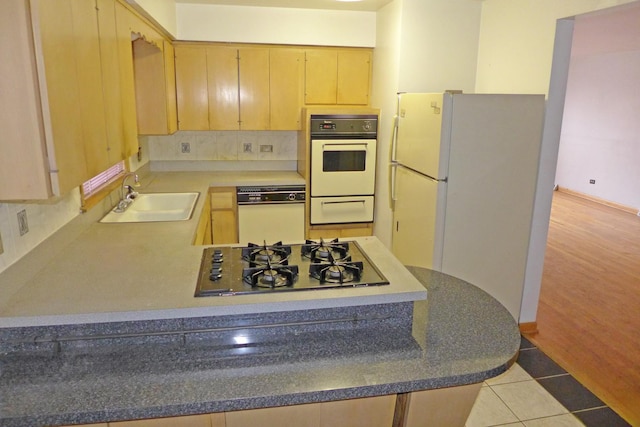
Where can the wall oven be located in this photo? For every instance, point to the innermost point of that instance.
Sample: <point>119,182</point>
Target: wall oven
<point>343,165</point>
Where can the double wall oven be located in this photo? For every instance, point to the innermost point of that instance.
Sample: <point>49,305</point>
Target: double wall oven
<point>343,165</point>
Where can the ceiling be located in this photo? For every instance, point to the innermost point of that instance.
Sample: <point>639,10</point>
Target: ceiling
<point>363,5</point>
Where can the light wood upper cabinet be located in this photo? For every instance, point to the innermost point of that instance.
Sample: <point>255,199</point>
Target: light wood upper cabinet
<point>286,88</point>
<point>238,87</point>
<point>222,83</point>
<point>191,88</point>
<point>170,81</point>
<point>24,169</point>
<point>112,90</point>
<point>337,76</point>
<point>92,106</point>
<point>127,89</point>
<point>354,76</point>
<point>43,151</point>
<point>153,65</point>
<point>321,76</point>
<point>254,88</point>
<point>61,98</point>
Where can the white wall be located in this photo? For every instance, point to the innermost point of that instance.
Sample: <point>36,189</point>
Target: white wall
<point>439,45</point>
<point>516,42</point>
<point>162,11</point>
<point>248,24</point>
<point>386,58</point>
<point>421,46</point>
<point>601,133</point>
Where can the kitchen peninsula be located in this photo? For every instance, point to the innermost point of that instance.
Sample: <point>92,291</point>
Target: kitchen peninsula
<point>99,324</point>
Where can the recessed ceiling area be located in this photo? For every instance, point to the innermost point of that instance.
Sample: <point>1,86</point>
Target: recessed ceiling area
<point>362,5</point>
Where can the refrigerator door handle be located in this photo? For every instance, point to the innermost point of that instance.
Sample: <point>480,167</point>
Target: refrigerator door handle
<point>394,138</point>
<point>392,182</point>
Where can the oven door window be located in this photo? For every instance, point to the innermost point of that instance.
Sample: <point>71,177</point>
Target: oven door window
<point>344,161</point>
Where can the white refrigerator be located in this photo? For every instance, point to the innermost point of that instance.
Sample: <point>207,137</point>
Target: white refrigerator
<point>463,179</point>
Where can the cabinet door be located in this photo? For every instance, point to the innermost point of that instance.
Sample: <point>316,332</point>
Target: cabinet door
<point>55,24</point>
<point>170,82</point>
<point>366,412</point>
<point>224,219</point>
<point>150,86</point>
<point>286,85</point>
<point>253,75</point>
<point>354,69</point>
<point>222,73</point>
<point>89,74</point>
<point>441,407</point>
<point>185,421</point>
<point>203,231</point>
<point>127,88</point>
<point>224,227</point>
<point>111,79</point>
<point>191,88</point>
<point>24,173</point>
<point>321,77</point>
<point>284,416</point>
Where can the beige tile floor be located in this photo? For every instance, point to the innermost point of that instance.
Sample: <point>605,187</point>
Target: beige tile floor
<point>516,399</point>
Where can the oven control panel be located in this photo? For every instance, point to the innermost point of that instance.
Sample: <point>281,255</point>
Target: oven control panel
<point>341,125</point>
<point>274,194</point>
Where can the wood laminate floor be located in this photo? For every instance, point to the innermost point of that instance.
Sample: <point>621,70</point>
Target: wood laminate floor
<point>589,311</point>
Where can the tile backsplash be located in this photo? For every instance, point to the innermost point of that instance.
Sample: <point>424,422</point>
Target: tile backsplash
<point>224,146</point>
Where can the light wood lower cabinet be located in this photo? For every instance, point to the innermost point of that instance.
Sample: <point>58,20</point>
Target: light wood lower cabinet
<point>445,407</point>
<point>224,215</point>
<point>186,421</point>
<point>203,231</point>
<point>218,223</point>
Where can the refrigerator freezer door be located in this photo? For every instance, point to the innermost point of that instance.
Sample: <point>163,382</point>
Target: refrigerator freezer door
<point>419,134</point>
<point>417,219</point>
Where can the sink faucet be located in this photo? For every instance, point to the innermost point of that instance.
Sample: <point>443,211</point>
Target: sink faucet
<point>127,193</point>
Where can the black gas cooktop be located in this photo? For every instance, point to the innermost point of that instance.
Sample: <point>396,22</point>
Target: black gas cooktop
<point>277,267</point>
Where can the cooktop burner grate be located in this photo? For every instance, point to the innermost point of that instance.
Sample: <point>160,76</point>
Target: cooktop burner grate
<point>278,267</point>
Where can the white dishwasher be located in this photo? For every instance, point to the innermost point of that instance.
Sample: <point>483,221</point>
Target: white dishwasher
<point>271,214</point>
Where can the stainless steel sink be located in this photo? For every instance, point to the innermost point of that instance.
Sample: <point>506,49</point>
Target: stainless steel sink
<point>156,207</point>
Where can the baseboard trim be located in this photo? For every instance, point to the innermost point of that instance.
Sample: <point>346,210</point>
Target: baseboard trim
<point>529,328</point>
<point>615,205</point>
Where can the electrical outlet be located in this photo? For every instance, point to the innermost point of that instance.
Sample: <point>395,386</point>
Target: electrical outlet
<point>592,181</point>
<point>266,148</point>
<point>23,225</point>
<point>185,147</point>
<point>246,147</point>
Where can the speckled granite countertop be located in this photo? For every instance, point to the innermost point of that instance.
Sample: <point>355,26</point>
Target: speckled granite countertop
<point>460,335</point>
